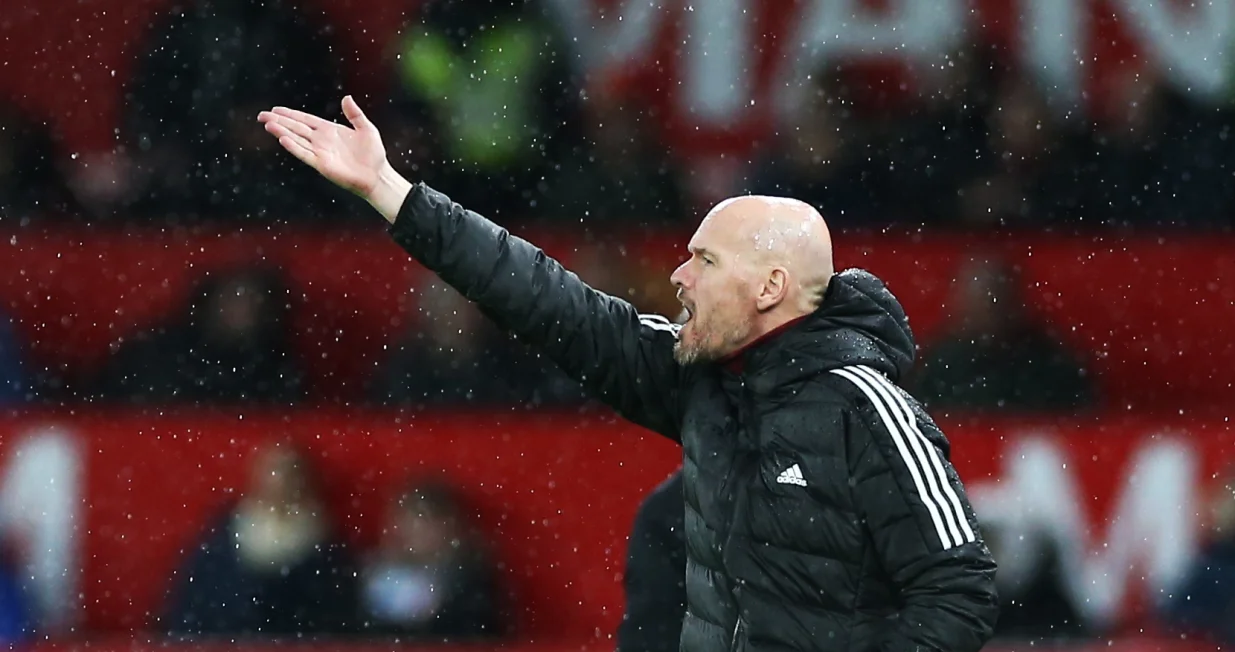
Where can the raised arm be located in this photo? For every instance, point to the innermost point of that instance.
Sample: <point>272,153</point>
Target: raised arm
<point>622,357</point>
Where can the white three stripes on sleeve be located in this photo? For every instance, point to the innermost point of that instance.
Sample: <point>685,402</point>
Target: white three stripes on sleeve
<point>919,455</point>
<point>657,322</point>
<point>925,452</point>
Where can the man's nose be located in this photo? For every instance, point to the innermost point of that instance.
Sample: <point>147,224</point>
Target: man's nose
<point>678,277</point>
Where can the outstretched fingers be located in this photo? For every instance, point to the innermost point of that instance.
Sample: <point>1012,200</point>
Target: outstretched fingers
<point>294,145</point>
<point>292,142</point>
<point>280,130</point>
<point>308,119</point>
<point>294,126</point>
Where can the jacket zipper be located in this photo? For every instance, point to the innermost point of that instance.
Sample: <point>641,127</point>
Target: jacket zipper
<point>737,627</point>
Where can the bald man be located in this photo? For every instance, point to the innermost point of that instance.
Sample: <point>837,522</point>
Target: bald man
<point>822,512</point>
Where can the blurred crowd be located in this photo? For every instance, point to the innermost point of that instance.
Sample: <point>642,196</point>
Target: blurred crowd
<point>488,101</point>
<point>275,564</point>
<point>985,149</point>
<point>230,344</point>
<point>531,139</point>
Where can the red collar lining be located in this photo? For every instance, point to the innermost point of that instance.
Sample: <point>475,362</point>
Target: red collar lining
<point>736,361</point>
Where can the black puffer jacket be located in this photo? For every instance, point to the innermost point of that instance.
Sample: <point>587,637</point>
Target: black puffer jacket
<point>822,512</point>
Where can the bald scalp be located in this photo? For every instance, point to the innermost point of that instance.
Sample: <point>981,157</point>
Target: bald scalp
<point>780,232</point>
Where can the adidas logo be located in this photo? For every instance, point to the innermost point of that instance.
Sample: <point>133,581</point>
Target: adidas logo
<point>792,475</point>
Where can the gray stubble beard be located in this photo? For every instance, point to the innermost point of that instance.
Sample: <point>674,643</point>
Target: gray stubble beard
<point>689,355</point>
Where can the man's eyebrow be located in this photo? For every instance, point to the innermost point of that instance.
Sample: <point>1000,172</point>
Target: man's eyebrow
<point>700,251</point>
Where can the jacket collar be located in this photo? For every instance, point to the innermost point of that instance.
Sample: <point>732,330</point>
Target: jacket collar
<point>858,322</point>
<point>736,362</point>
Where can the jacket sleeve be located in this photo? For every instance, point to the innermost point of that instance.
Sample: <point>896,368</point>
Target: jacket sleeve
<point>622,357</point>
<point>924,530</point>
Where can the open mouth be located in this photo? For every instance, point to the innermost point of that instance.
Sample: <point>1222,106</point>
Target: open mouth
<point>688,308</point>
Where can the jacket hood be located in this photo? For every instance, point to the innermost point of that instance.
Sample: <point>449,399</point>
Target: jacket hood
<point>859,322</point>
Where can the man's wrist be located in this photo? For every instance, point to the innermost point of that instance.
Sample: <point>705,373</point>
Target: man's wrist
<point>389,193</point>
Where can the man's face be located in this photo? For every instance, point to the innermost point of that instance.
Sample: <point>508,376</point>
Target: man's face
<point>987,305</point>
<point>424,534</point>
<point>1222,509</point>
<point>278,479</point>
<point>237,310</point>
<point>1022,127</point>
<point>716,289</point>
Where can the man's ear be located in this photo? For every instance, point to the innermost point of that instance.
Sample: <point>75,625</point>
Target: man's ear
<point>773,290</point>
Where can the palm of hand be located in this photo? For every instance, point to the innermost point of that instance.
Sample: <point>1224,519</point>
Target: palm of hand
<point>350,157</point>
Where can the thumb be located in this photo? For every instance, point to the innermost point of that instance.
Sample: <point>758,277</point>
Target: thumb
<point>354,115</point>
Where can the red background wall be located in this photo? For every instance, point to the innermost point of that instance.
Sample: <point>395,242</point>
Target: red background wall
<point>1155,317</point>
<point>558,492</point>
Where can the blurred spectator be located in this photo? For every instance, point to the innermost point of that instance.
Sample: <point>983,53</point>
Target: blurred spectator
<point>207,70</point>
<point>272,566</point>
<point>17,617</point>
<point>816,157</point>
<point>453,355</point>
<point>936,146</point>
<point>1035,604</point>
<point>1157,159</point>
<point>232,345</point>
<point>1034,163</point>
<point>432,577</point>
<point>1125,155</point>
<point>623,173</point>
<point>1204,603</point>
<point>31,182</point>
<point>14,384</point>
<point>996,357</point>
<point>485,102</point>
<point>655,578</point>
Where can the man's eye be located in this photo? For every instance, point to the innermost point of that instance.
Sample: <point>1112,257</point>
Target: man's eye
<point>707,261</point>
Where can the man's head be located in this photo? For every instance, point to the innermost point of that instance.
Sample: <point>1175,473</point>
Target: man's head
<point>1023,128</point>
<point>448,319</point>
<point>424,522</point>
<point>281,479</point>
<point>988,296</point>
<point>755,263</point>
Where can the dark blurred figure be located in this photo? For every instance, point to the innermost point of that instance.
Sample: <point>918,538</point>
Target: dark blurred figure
<point>452,354</point>
<point>624,173</point>
<point>18,619</point>
<point>937,145</point>
<point>432,578</point>
<point>485,102</point>
<point>231,346</point>
<point>1035,604</point>
<point>272,567</point>
<point>1158,159</point>
<point>655,578</point>
<point>1204,603</point>
<point>1034,163</point>
<point>816,158</point>
<point>207,70</point>
<point>998,358</point>
<point>14,383</point>
<point>31,182</point>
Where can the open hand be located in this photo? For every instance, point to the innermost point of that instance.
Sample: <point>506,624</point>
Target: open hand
<point>351,157</point>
